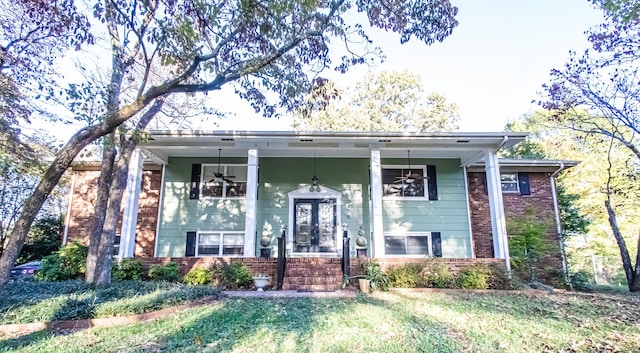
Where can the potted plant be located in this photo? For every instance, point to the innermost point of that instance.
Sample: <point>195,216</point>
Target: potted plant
<point>260,281</point>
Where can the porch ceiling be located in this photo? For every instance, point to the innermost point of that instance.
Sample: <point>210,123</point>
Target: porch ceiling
<point>462,145</point>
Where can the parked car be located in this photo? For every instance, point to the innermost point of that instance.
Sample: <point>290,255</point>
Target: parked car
<point>25,271</point>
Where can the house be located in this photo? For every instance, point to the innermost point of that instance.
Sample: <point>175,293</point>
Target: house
<point>195,196</point>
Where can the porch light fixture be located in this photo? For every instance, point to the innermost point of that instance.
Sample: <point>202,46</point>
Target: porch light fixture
<point>314,181</point>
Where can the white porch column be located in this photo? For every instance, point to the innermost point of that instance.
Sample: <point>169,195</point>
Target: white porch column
<point>498,220</point>
<point>130,210</point>
<point>376,204</point>
<point>250,213</point>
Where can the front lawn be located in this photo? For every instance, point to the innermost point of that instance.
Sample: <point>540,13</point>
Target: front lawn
<point>384,322</point>
<point>34,301</point>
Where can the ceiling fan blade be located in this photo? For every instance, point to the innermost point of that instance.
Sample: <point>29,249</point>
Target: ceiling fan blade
<point>230,176</point>
<point>229,181</point>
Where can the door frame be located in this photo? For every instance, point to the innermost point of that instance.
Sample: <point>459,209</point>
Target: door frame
<point>324,193</point>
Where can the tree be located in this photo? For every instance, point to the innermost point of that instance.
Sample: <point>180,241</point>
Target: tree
<point>259,47</point>
<point>387,101</point>
<point>596,93</point>
<point>33,33</point>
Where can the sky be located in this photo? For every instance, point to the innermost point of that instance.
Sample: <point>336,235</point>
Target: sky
<point>492,66</point>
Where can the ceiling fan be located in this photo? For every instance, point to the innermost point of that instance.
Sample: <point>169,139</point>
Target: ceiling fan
<point>219,177</point>
<point>410,177</point>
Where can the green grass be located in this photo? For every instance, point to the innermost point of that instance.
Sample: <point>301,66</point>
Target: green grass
<point>34,301</point>
<point>385,322</point>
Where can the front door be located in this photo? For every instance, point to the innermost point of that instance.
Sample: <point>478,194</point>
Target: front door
<point>315,226</point>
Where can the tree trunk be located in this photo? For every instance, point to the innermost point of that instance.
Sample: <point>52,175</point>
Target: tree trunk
<point>635,285</point>
<point>108,232</point>
<point>100,208</point>
<point>104,256</point>
<point>633,277</point>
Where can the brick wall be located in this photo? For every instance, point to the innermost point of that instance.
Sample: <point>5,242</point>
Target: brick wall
<point>82,207</point>
<point>455,265</point>
<point>541,199</point>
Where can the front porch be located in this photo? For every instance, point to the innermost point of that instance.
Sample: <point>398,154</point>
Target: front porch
<point>408,192</point>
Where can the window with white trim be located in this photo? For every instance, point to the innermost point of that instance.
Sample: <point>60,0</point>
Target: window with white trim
<point>413,244</point>
<point>509,182</point>
<point>220,244</point>
<point>224,181</point>
<point>404,182</point>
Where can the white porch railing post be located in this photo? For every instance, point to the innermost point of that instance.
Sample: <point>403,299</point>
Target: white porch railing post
<point>376,204</point>
<point>250,214</point>
<point>130,209</point>
<point>496,206</point>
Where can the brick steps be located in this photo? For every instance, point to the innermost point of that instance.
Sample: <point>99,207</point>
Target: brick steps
<point>313,275</point>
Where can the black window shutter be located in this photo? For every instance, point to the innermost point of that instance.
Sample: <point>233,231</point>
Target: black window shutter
<point>194,189</point>
<point>436,244</point>
<point>432,182</point>
<point>523,181</point>
<point>486,187</point>
<point>191,244</point>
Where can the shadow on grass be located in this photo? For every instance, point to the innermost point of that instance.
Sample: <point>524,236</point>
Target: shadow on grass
<point>311,324</point>
<point>23,341</point>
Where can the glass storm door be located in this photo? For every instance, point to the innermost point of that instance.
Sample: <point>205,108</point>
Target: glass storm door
<point>315,226</point>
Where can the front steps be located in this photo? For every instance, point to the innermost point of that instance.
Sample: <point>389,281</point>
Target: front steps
<point>313,274</point>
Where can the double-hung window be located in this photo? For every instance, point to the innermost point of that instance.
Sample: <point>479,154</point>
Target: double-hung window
<point>509,182</point>
<point>413,244</point>
<point>224,181</point>
<point>220,244</point>
<point>404,182</point>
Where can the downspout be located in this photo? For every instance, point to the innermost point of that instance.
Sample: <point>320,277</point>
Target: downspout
<point>556,210</point>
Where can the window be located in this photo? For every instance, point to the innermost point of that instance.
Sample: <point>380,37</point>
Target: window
<point>221,184</point>
<point>116,245</point>
<point>220,244</point>
<point>416,244</point>
<point>402,182</point>
<point>509,182</point>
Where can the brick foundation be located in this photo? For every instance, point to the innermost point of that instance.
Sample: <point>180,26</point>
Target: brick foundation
<point>313,265</point>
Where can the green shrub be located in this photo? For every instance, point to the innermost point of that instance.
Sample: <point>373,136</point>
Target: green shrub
<point>436,275</point>
<point>405,276</point>
<point>168,272</point>
<point>67,263</point>
<point>127,269</point>
<point>198,276</point>
<point>217,273</point>
<point>474,277</point>
<point>582,280</point>
<point>44,239</point>
<point>499,279</point>
<point>237,275</point>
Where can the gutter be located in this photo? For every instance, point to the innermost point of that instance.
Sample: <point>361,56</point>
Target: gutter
<point>556,210</point>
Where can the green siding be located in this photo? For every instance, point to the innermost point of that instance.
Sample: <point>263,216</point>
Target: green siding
<point>447,215</point>
<point>181,214</point>
<point>279,176</point>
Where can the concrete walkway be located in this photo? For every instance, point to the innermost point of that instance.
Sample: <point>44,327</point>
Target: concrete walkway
<point>288,294</point>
